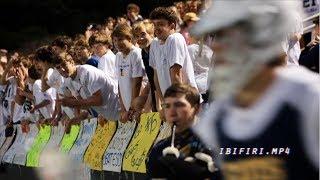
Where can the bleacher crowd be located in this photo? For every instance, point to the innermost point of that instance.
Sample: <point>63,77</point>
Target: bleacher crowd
<point>131,65</point>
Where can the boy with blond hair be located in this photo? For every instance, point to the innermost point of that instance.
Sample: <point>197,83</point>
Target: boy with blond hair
<point>143,33</point>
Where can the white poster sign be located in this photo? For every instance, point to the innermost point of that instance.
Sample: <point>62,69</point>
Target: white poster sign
<point>112,159</point>
<point>16,146</point>
<point>84,138</point>
<point>21,155</point>
<point>165,131</point>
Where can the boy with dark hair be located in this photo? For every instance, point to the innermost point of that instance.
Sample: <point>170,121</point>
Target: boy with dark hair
<point>45,54</point>
<point>44,101</point>
<point>133,11</point>
<point>182,156</point>
<point>80,54</point>
<point>97,90</point>
<point>101,48</point>
<point>46,57</point>
<point>62,42</point>
<point>169,55</point>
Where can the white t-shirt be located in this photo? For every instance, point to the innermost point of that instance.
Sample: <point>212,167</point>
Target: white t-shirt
<point>201,64</point>
<point>292,48</point>
<point>49,94</point>
<point>92,80</point>
<point>9,97</point>
<point>63,90</point>
<point>127,68</point>
<point>72,86</point>
<point>18,113</point>
<point>25,107</point>
<point>164,56</point>
<point>55,79</point>
<point>107,63</point>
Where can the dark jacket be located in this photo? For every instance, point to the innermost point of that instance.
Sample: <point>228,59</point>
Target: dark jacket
<point>170,167</point>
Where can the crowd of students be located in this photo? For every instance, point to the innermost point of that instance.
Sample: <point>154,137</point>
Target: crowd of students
<point>128,66</point>
<point>136,57</point>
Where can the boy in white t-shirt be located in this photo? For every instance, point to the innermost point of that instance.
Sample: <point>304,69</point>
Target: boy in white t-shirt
<point>33,71</point>
<point>100,44</point>
<point>20,78</point>
<point>46,57</point>
<point>9,87</point>
<point>55,80</point>
<point>201,56</point>
<point>97,90</point>
<point>129,68</point>
<point>169,53</point>
<point>44,101</point>
<point>291,45</point>
<point>11,79</point>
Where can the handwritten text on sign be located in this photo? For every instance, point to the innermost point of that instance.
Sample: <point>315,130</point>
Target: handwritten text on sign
<point>112,160</point>
<point>143,138</point>
<point>165,131</point>
<point>16,146</point>
<point>100,141</point>
<point>83,141</point>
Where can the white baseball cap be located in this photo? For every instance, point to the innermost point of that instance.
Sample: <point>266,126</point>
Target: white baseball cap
<point>224,13</point>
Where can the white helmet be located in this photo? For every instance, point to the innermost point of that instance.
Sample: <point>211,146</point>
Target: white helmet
<point>258,29</point>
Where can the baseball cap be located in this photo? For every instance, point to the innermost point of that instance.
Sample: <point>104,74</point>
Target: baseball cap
<point>224,13</point>
<point>221,14</point>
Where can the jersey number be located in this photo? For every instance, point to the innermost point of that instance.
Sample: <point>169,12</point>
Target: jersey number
<point>306,3</point>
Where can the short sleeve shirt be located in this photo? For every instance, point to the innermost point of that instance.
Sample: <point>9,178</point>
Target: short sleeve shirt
<point>164,56</point>
<point>127,68</point>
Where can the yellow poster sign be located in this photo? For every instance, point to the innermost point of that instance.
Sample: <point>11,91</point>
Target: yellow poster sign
<point>38,145</point>
<point>99,143</point>
<point>143,138</point>
<point>69,139</point>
